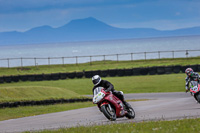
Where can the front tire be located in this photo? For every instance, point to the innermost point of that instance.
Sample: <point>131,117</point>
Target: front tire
<point>109,113</point>
<point>130,114</point>
<point>198,97</point>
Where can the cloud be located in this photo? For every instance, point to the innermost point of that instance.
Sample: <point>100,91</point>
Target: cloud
<point>178,13</point>
<point>16,6</point>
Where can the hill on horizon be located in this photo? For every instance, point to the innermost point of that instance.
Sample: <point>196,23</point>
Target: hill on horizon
<point>88,29</point>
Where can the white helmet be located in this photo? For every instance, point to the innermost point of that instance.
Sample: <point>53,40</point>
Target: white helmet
<point>96,79</point>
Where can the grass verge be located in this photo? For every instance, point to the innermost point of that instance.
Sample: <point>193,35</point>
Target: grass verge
<point>176,126</point>
<point>76,87</point>
<point>37,93</point>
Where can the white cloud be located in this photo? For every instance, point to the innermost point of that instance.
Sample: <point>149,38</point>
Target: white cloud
<point>178,13</point>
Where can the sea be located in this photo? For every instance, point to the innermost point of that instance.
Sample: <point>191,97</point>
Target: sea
<point>81,52</point>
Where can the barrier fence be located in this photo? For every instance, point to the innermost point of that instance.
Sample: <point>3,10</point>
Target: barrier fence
<point>42,102</point>
<point>103,73</point>
<point>23,61</point>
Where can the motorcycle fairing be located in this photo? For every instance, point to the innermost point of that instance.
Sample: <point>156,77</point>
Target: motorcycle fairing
<point>195,89</point>
<point>117,103</point>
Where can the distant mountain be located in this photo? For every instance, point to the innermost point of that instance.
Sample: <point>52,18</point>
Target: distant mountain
<point>88,29</point>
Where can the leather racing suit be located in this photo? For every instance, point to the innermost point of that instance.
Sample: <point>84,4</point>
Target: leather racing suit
<point>194,77</point>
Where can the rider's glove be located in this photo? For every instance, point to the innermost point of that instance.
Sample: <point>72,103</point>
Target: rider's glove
<point>106,90</point>
<point>186,89</point>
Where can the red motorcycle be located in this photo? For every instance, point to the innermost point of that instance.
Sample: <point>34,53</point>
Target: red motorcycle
<point>111,106</point>
<point>195,90</point>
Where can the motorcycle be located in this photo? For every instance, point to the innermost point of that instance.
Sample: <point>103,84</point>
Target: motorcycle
<point>111,106</point>
<point>195,90</point>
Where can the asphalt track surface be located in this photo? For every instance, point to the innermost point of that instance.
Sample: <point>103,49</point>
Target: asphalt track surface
<point>161,106</point>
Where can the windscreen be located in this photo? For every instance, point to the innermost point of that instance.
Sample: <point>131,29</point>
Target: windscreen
<point>194,83</point>
<point>97,90</point>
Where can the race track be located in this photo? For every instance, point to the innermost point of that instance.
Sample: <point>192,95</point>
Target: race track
<point>161,106</point>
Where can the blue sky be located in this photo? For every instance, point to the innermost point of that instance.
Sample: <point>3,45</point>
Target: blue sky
<point>22,15</point>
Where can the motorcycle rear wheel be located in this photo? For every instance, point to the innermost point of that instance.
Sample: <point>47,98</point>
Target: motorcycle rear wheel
<point>109,114</point>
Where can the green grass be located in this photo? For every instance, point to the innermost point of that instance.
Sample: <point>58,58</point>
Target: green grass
<point>99,65</point>
<point>43,90</point>
<point>75,87</point>
<point>28,93</point>
<point>12,113</point>
<point>176,126</point>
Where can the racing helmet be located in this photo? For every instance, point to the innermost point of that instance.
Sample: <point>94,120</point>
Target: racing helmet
<point>96,79</point>
<point>189,71</point>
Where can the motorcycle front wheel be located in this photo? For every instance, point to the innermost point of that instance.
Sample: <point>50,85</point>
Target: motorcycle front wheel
<point>130,114</point>
<point>198,97</point>
<point>109,112</point>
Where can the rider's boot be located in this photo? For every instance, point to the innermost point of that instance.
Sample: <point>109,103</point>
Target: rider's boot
<point>120,95</point>
<point>127,105</point>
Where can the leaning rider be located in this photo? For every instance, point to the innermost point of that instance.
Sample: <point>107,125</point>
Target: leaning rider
<point>191,76</point>
<point>98,82</point>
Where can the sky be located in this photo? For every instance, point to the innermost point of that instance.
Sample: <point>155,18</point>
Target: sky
<point>22,15</point>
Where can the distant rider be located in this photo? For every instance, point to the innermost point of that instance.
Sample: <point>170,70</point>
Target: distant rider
<point>98,82</point>
<point>191,76</point>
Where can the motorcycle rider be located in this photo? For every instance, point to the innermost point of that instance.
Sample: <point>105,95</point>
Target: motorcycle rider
<point>191,76</point>
<point>98,82</point>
